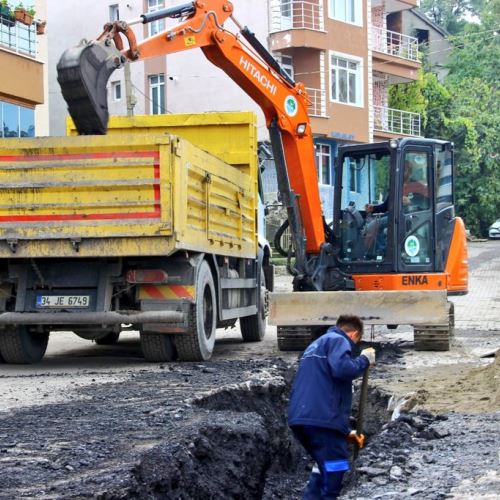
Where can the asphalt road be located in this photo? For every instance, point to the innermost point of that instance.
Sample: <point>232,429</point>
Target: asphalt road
<point>72,362</point>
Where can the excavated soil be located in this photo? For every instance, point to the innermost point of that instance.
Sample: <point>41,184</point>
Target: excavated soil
<point>462,387</point>
<point>218,431</point>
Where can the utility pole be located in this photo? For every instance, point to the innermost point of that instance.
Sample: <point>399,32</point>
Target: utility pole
<point>130,98</point>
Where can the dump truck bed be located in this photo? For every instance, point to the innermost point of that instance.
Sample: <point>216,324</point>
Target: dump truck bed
<point>125,194</point>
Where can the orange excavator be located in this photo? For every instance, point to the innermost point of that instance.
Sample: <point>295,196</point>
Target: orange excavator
<point>395,240</point>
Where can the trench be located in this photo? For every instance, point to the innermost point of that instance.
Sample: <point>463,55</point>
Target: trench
<point>242,448</point>
<point>218,431</point>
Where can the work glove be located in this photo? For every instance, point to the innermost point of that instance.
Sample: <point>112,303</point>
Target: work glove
<point>369,353</point>
<point>357,439</point>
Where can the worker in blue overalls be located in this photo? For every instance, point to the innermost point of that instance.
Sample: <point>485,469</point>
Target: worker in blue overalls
<point>320,403</point>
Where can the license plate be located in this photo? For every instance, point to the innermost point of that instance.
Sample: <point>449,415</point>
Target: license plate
<point>63,301</point>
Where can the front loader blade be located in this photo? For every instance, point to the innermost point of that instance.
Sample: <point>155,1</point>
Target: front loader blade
<point>83,73</point>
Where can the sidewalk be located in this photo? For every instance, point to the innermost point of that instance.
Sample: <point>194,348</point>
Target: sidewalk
<point>480,308</point>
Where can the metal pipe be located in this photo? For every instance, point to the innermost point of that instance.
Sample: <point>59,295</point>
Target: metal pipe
<point>137,20</point>
<point>90,318</point>
<point>183,10</point>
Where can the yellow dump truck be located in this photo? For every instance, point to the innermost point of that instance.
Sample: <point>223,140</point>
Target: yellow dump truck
<point>152,227</point>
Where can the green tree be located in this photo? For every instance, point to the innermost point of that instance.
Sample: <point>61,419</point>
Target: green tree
<point>449,14</point>
<point>474,127</point>
<point>465,109</point>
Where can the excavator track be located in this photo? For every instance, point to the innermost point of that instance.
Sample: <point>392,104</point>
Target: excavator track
<point>435,337</point>
<point>83,73</point>
<point>297,338</point>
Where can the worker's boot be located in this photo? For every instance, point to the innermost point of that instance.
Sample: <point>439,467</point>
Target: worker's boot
<point>313,488</point>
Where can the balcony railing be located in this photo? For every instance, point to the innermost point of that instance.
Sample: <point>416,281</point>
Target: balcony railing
<point>395,44</point>
<point>297,14</point>
<point>317,98</point>
<point>18,37</point>
<point>396,121</point>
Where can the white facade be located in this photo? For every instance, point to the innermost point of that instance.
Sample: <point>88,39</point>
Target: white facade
<point>192,83</point>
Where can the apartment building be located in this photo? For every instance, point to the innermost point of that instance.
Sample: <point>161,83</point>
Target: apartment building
<point>347,53</point>
<point>22,88</point>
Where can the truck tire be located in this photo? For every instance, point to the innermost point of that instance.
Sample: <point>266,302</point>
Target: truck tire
<point>109,339</point>
<point>20,346</point>
<point>198,343</point>
<point>253,328</point>
<point>157,347</point>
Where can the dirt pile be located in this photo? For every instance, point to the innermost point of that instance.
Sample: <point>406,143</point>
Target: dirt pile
<point>186,431</point>
<point>426,456</point>
<point>462,387</point>
<point>241,443</point>
<point>387,456</point>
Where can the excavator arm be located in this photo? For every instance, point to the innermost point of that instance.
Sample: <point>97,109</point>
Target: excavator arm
<point>83,73</point>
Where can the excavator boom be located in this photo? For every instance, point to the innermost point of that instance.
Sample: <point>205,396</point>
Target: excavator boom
<point>83,73</point>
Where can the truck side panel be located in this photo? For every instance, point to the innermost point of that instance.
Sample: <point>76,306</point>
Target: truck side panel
<point>96,196</point>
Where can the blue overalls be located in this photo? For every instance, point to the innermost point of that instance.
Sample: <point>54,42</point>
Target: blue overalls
<point>320,406</point>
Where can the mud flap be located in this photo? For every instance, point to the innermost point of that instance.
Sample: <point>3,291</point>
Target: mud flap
<point>83,73</point>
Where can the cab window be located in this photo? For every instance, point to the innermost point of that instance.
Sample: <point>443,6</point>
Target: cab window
<point>416,197</point>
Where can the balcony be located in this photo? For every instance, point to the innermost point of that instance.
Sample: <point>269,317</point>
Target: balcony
<point>396,122</point>
<point>395,55</point>
<point>296,23</point>
<point>395,44</point>
<point>18,37</point>
<point>296,14</point>
<point>317,102</point>
<point>22,82</point>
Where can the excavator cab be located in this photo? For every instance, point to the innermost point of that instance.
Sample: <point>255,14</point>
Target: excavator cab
<point>394,215</point>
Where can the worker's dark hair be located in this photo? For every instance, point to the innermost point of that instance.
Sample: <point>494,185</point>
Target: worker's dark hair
<point>350,323</point>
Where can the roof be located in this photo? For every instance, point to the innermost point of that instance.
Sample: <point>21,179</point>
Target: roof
<point>429,21</point>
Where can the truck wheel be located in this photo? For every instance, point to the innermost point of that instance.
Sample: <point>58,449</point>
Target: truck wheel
<point>253,328</point>
<point>109,339</point>
<point>198,343</point>
<point>20,346</point>
<point>157,347</point>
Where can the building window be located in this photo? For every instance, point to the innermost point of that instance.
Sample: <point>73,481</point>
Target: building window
<point>157,94</point>
<point>156,26</point>
<point>286,8</point>
<point>348,11</point>
<point>286,62</point>
<point>323,163</point>
<point>346,80</point>
<point>116,89</point>
<point>16,121</point>
<point>114,13</point>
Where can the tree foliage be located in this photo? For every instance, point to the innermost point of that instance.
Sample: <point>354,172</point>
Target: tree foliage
<point>465,108</point>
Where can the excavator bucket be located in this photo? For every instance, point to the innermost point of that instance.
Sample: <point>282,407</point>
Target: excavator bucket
<point>83,73</point>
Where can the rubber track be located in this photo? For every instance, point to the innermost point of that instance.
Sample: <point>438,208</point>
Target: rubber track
<point>294,338</point>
